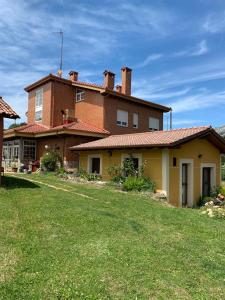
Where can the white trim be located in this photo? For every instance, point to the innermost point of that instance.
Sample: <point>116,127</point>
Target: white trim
<point>134,155</point>
<point>165,172</point>
<point>212,166</point>
<point>190,163</point>
<point>89,162</point>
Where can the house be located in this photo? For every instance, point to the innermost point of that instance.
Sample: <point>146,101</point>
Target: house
<point>67,112</point>
<point>184,163</point>
<point>5,112</point>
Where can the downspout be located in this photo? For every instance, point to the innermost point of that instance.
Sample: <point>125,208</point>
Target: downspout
<point>171,119</point>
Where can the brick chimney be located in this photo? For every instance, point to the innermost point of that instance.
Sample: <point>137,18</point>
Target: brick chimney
<point>119,88</point>
<point>109,80</point>
<point>126,80</point>
<point>73,75</point>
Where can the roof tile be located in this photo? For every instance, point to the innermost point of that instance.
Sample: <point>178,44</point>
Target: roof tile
<point>145,139</point>
<point>6,110</point>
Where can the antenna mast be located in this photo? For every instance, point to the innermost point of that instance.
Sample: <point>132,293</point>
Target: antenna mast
<point>59,72</point>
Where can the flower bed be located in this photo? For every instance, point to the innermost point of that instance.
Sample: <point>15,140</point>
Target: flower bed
<point>215,206</point>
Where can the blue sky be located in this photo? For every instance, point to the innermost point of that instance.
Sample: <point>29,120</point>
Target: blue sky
<point>175,48</point>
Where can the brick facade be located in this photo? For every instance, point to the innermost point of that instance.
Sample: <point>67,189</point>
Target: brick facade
<point>98,107</point>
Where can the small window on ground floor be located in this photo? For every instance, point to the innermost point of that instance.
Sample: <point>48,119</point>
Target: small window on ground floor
<point>95,164</point>
<point>131,162</point>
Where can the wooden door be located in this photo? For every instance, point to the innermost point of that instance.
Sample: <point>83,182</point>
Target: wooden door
<point>206,181</point>
<point>184,184</point>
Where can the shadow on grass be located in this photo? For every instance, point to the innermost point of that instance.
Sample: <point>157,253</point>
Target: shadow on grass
<point>10,183</point>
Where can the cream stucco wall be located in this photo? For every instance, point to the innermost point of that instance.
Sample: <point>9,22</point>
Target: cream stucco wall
<point>200,151</point>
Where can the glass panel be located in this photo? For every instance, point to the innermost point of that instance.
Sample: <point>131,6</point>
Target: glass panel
<point>95,165</point>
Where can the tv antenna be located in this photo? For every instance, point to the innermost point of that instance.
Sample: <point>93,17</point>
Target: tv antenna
<point>59,72</point>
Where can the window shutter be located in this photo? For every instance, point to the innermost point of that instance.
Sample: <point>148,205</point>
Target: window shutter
<point>122,118</point>
<point>153,123</point>
<point>135,120</point>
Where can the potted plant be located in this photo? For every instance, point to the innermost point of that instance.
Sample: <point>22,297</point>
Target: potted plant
<point>14,166</point>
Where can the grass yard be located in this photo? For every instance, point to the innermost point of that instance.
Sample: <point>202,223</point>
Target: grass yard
<point>57,244</point>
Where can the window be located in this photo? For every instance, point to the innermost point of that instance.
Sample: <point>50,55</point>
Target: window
<point>136,161</point>
<point>94,162</point>
<point>29,150</point>
<point>38,115</point>
<point>80,95</point>
<point>153,124</point>
<point>122,118</point>
<point>135,120</point>
<point>38,104</point>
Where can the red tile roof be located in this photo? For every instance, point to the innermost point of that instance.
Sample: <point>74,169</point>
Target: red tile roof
<point>6,111</point>
<point>97,87</point>
<point>81,126</point>
<point>76,126</point>
<point>146,139</point>
<point>89,84</point>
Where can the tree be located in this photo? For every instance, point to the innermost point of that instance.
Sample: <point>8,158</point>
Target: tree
<point>17,125</point>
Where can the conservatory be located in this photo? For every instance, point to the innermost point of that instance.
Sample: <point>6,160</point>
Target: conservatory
<point>18,152</point>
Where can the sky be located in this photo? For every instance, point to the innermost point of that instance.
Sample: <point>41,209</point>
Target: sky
<point>175,48</point>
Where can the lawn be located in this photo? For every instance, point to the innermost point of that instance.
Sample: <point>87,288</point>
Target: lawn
<point>58,244</point>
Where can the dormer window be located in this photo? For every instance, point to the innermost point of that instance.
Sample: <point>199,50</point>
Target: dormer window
<point>80,95</point>
<point>38,104</point>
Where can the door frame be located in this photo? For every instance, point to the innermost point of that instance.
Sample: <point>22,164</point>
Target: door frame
<point>190,163</point>
<point>212,167</point>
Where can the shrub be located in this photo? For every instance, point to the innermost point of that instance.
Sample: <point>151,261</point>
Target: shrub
<point>51,160</point>
<point>87,176</point>
<point>117,174</point>
<point>138,184</point>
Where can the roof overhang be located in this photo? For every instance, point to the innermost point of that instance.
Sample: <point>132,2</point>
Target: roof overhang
<point>46,79</point>
<point>163,108</point>
<point>209,133</point>
<point>52,133</point>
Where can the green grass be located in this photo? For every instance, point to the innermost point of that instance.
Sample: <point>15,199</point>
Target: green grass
<point>58,245</point>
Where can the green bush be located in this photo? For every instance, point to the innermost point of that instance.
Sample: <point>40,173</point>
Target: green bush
<point>133,183</point>
<point>51,160</point>
<point>117,174</point>
<point>87,176</point>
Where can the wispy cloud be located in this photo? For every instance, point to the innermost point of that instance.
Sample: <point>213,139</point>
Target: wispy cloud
<point>200,49</point>
<point>150,58</point>
<point>215,23</point>
<point>199,101</point>
<point>188,122</point>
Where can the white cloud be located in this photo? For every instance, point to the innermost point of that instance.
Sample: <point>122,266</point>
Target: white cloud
<point>215,23</point>
<point>148,60</point>
<point>199,101</point>
<point>202,48</point>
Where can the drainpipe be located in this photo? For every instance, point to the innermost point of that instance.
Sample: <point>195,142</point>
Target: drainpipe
<point>171,119</point>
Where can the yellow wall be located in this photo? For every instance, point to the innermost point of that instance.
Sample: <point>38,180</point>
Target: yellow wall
<point>153,160</point>
<point>191,150</point>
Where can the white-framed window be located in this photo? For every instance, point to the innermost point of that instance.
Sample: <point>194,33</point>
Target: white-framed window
<point>135,120</point>
<point>136,159</point>
<point>122,118</point>
<point>38,104</point>
<point>29,149</point>
<point>80,95</point>
<point>153,124</point>
<point>95,164</point>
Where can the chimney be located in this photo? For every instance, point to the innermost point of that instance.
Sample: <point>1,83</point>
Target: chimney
<point>73,75</point>
<point>109,79</point>
<point>126,80</point>
<point>119,88</point>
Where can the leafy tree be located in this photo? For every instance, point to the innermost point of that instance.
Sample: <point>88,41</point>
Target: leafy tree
<point>14,125</point>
